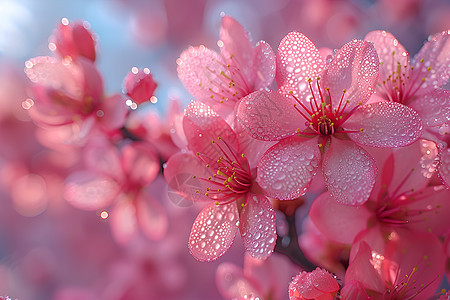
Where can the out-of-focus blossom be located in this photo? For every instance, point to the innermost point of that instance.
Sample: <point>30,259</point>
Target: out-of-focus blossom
<point>326,122</point>
<point>318,284</point>
<point>140,86</point>
<point>259,279</point>
<point>120,178</point>
<point>74,40</point>
<point>218,172</point>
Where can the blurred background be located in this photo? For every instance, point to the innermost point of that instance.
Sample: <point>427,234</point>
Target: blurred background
<point>51,250</point>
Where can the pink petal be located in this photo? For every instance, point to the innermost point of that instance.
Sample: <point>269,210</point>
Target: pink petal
<point>232,283</point>
<point>258,227</point>
<point>286,170</point>
<point>202,127</point>
<point>140,163</point>
<point>237,49</point>
<point>354,290</point>
<point>361,270</point>
<point>444,166</point>
<point>184,173</point>
<point>317,284</point>
<point>140,85</point>
<point>88,191</point>
<point>422,252</point>
<point>264,64</point>
<point>269,116</point>
<point>384,124</point>
<point>104,158</point>
<point>74,40</point>
<point>213,231</point>
<point>433,107</point>
<point>339,223</point>
<point>123,220</point>
<point>93,82</point>
<point>436,56</point>
<point>297,61</point>
<point>434,208</point>
<point>50,72</point>
<point>410,170</point>
<point>113,112</point>
<point>354,68</point>
<point>349,172</point>
<point>151,216</point>
<point>205,75</point>
<point>390,52</point>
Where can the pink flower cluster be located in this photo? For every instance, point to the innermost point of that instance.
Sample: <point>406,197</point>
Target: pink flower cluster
<point>360,133</point>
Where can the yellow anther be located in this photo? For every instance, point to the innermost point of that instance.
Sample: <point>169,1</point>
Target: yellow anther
<point>194,176</point>
<point>422,60</point>
<point>206,194</point>
<point>208,189</point>
<point>207,165</point>
<point>217,203</point>
<point>209,178</point>
<point>197,192</point>
<point>429,69</point>
<point>291,92</point>
<point>393,52</point>
<point>423,79</point>
<point>242,205</point>
<point>361,129</point>
<point>344,90</point>
<point>242,155</point>
<point>198,153</point>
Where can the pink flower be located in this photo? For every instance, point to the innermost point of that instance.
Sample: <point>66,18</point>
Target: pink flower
<point>402,198</point>
<point>120,179</point>
<point>324,120</point>
<point>259,279</point>
<point>402,266</point>
<point>318,284</point>
<point>68,93</point>
<point>415,83</point>
<point>74,40</point>
<point>140,86</point>
<point>225,78</point>
<point>219,173</point>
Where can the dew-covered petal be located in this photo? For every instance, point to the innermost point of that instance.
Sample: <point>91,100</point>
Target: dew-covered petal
<point>269,116</point>
<point>213,231</point>
<point>140,163</point>
<point>433,107</point>
<point>354,68</point>
<point>122,220</point>
<point>384,124</point>
<point>257,226</point>
<point>232,283</point>
<point>264,65</point>
<point>318,284</point>
<point>88,191</point>
<point>184,174</point>
<point>339,223</point>
<point>286,170</point>
<point>151,216</point>
<point>390,52</point>
<point>205,75</point>
<point>349,172</point>
<point>435,67</point>
<point>298,60</point>
<point>354,290</point>
<point>203,127</point>
<point>236,47</point>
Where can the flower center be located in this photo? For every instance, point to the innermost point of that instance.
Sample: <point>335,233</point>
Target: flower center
<point>231,176</point>
<point>403,83</point>
<point>322,118</point>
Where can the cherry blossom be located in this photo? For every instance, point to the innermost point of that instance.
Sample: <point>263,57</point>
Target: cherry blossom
<point>221,80</point>
<point>319,116</point>
<point>217,172</point>
<point>140,85</point>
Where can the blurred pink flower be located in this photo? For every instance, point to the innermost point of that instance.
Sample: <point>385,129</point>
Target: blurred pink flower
<point>221,80</point>
<point>324,123</point>
<point>122,179</point>
<point>318,284</point>
<point>219,173</point>
<point>139,85</point>
<point>259,279</point>
<point>74,40</point>
<point>68,94</point>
